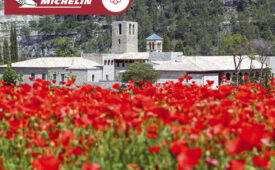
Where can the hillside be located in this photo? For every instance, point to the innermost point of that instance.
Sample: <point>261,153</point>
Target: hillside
<point>200,24</point>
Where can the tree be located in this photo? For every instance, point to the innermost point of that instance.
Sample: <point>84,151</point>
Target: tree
<point>166,44</point>
<point>6,52</point>
<point>65,49</point>
<point>1,58</point>
<point>10,76</point>
<point>179,46</point>
<point>237,45</point>
<point>263,48</point>
<point>13,44</point>
<point>140,72</point>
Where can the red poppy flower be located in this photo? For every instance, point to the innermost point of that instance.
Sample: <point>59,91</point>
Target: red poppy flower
<point>46,163</point>
<point>31,78</point>
<point>189,157</point>
<point>237,164</point>
<point>66,138</point>
<point>91,166</point>
<point>116,86</point>
<point>154,149</point>
<point>54,81</point>
<point>245,77</point>
<point>262,162</point>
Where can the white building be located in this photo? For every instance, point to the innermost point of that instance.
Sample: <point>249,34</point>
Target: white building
<point>94,68</point>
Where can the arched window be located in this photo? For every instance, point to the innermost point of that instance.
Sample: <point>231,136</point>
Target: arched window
<point>112,62</point>
<point>130,29</point>
<point>228,76</point>
<point>107,77</point>
<point>153,45</point>
<point>150,45</point>
<point>93,78</point>
<point>133,29</point>
<point>109,62</point>
<point>105,62</point>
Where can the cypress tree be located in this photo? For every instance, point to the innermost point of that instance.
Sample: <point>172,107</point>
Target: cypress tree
<point>12,44</point>
<point>166,44</point>
<point>1,58</point>
<point>179,46</point>
<point>15,45</point>
<point>6,52</point>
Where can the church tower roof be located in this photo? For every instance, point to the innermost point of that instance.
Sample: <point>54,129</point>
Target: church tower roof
<point>154,37</point>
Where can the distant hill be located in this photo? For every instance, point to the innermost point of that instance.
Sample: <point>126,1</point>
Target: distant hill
<point>200,24</point>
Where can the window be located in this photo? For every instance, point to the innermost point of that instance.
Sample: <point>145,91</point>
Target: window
<point>228,76</point>
<point>130,29</point>
<point>105,62</point>
<point>117,64</point>
<point>120,29</point>
<point>62,77</point>
<point>153,45</point>
<point>107,77</point>
<point>123,64</point>
<point>133,29</point>
<point>33,75</point>
<point>112,62</point>
<point>54,76</point>
<point>93,78</point>
<point>109,62</point>
<point>44,76</point>
<point>119,41</point>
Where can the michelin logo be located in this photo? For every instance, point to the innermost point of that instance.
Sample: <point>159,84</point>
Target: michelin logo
<point>27,3</point>
<point>116,5</point>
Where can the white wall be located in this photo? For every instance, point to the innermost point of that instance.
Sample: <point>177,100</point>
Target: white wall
<point>197,77</point>
<point>108,69</point>
<point>170,76</point>
<point>97,75</point>
<point>212,77</point>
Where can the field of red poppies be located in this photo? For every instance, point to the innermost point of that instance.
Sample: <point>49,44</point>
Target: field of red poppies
<point>173,126</point>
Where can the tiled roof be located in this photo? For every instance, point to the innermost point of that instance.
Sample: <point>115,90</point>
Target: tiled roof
<point>204,63</point>
<point>154,37</point>
<point>56,62</point>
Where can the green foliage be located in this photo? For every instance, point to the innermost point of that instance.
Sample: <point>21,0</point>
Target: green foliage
<point>13,44</point>
<point>200,24</point>
<point>140,72</point>
<point>166,44</point>
<point>179,46</point>
<point>10,75</point>
<point>46,25</point>
<point>65,48</point>
<point>1,57</point>
<point>25,33</point>
<point>236,44</point>
<point>6,52</point>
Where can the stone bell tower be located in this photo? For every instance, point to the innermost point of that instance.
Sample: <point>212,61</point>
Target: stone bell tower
<point>124,37</point>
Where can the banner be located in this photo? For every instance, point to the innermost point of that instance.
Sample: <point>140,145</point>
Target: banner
<point>66,7</point>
